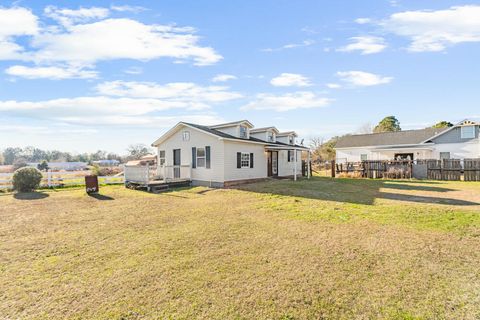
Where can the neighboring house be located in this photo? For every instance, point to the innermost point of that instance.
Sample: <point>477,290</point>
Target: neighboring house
<point>59,166</point>
<point>458,142</point>
<point>228,153</point>
<point>149,159</point>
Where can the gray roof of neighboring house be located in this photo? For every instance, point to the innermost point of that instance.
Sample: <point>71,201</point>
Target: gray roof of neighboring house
<point>229,136</point>
<point>388,138</point>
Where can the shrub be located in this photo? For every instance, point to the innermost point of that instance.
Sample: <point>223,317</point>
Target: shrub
<point>43,166</point>
<point>27,179</point>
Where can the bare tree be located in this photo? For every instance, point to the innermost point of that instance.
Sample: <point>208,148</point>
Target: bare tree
<point>136,151</point>
<point>365,128</point>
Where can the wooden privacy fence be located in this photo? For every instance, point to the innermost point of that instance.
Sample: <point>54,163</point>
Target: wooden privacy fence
<point>394,169</point>
<point>471,170</point>
<point>454,169</point>
<point>60,179</point>
<point>447,169</point>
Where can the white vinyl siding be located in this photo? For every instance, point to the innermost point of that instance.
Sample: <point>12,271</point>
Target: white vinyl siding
<point>285,167</point>
<point>231,171</point>
<point>198,139</point>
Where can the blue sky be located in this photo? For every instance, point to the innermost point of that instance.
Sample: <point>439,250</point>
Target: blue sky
<point>88,75</point>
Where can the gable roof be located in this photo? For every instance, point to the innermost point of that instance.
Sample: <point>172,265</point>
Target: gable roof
<point>406,137</point>
<point>220,134</point>
<point>232,124</point>
<point>287,133</point>
<point>256,130</point>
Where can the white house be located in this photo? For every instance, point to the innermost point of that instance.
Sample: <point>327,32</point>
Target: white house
<point>227,154</point>
<point>460,141</point>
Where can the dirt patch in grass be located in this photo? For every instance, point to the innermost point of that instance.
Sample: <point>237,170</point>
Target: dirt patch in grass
<point>274,250</point>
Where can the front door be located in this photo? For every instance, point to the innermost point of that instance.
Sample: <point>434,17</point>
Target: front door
<point>272,165</point>
<point>176,163</point>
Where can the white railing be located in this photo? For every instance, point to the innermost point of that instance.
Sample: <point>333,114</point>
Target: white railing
<point>60,179</point>
<point>145,174</point>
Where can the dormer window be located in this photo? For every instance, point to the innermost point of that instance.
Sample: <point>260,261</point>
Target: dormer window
<point>270,136</point>
<point>243,132</point>
<point>291,140</point>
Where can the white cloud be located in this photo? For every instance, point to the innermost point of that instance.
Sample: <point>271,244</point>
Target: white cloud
<point>134,70</point>
<point>362,79</point>
<point>53,73</point>
<point>290,80</point>
<point>223,77</point>
<point>127,8</point>
<point>17,22</point>
<point>363,20</point>
<point>287,102</point>
<point>68,17</point>
<point>333,85</point>
<point>112,39</point>
<point>436,30</point>
<point>85,36</point>
<point>365,44</point>
<point>177,91</point>
<point>123,103</point>
<point>304,43</point>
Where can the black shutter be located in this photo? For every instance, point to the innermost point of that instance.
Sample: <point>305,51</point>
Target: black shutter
<point>207,157</point>
<point>239,160</point>
<point>288,155</point>
<point>194,157</point>
<point>251,160</point>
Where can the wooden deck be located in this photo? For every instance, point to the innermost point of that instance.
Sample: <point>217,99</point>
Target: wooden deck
<point>160,185</point>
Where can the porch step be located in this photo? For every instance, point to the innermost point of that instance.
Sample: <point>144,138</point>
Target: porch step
<point>165,186</point>
<point>159,188</point>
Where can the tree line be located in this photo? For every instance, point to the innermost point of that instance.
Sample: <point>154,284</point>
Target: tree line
<point>324,150</point>
<point>15,155</point>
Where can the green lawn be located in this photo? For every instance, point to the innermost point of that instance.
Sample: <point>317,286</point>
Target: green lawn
<point>318,249</point>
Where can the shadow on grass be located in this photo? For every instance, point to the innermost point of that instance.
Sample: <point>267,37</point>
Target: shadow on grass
<point>30,195</point>
<point>101,197</point>
<point>357,191</point>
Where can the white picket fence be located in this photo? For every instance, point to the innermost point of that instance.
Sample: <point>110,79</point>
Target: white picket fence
<point>60,179</point>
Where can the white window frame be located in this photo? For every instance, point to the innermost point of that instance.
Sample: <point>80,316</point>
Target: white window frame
<point>270,136</point>
<point>291,153</point>
<point>204,158</point>
<point>362,156</point>
<point>444,153</point>
<point>291,140</point>
<point>243,136</point>
<point>161,159</point>
<point>245,160</point>
<point>463,132</point>
<point>186,135</point>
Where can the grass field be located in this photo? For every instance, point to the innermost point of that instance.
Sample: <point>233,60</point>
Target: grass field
<point>318,249</point>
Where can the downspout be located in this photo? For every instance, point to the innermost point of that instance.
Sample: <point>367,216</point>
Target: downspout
<point>295,165</point>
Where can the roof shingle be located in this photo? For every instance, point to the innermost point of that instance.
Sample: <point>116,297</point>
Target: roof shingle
<point>388,138</point>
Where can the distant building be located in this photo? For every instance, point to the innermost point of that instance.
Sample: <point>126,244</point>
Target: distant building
<point>106,163</point>
<point>58,166</point>
<point>149,159</point>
